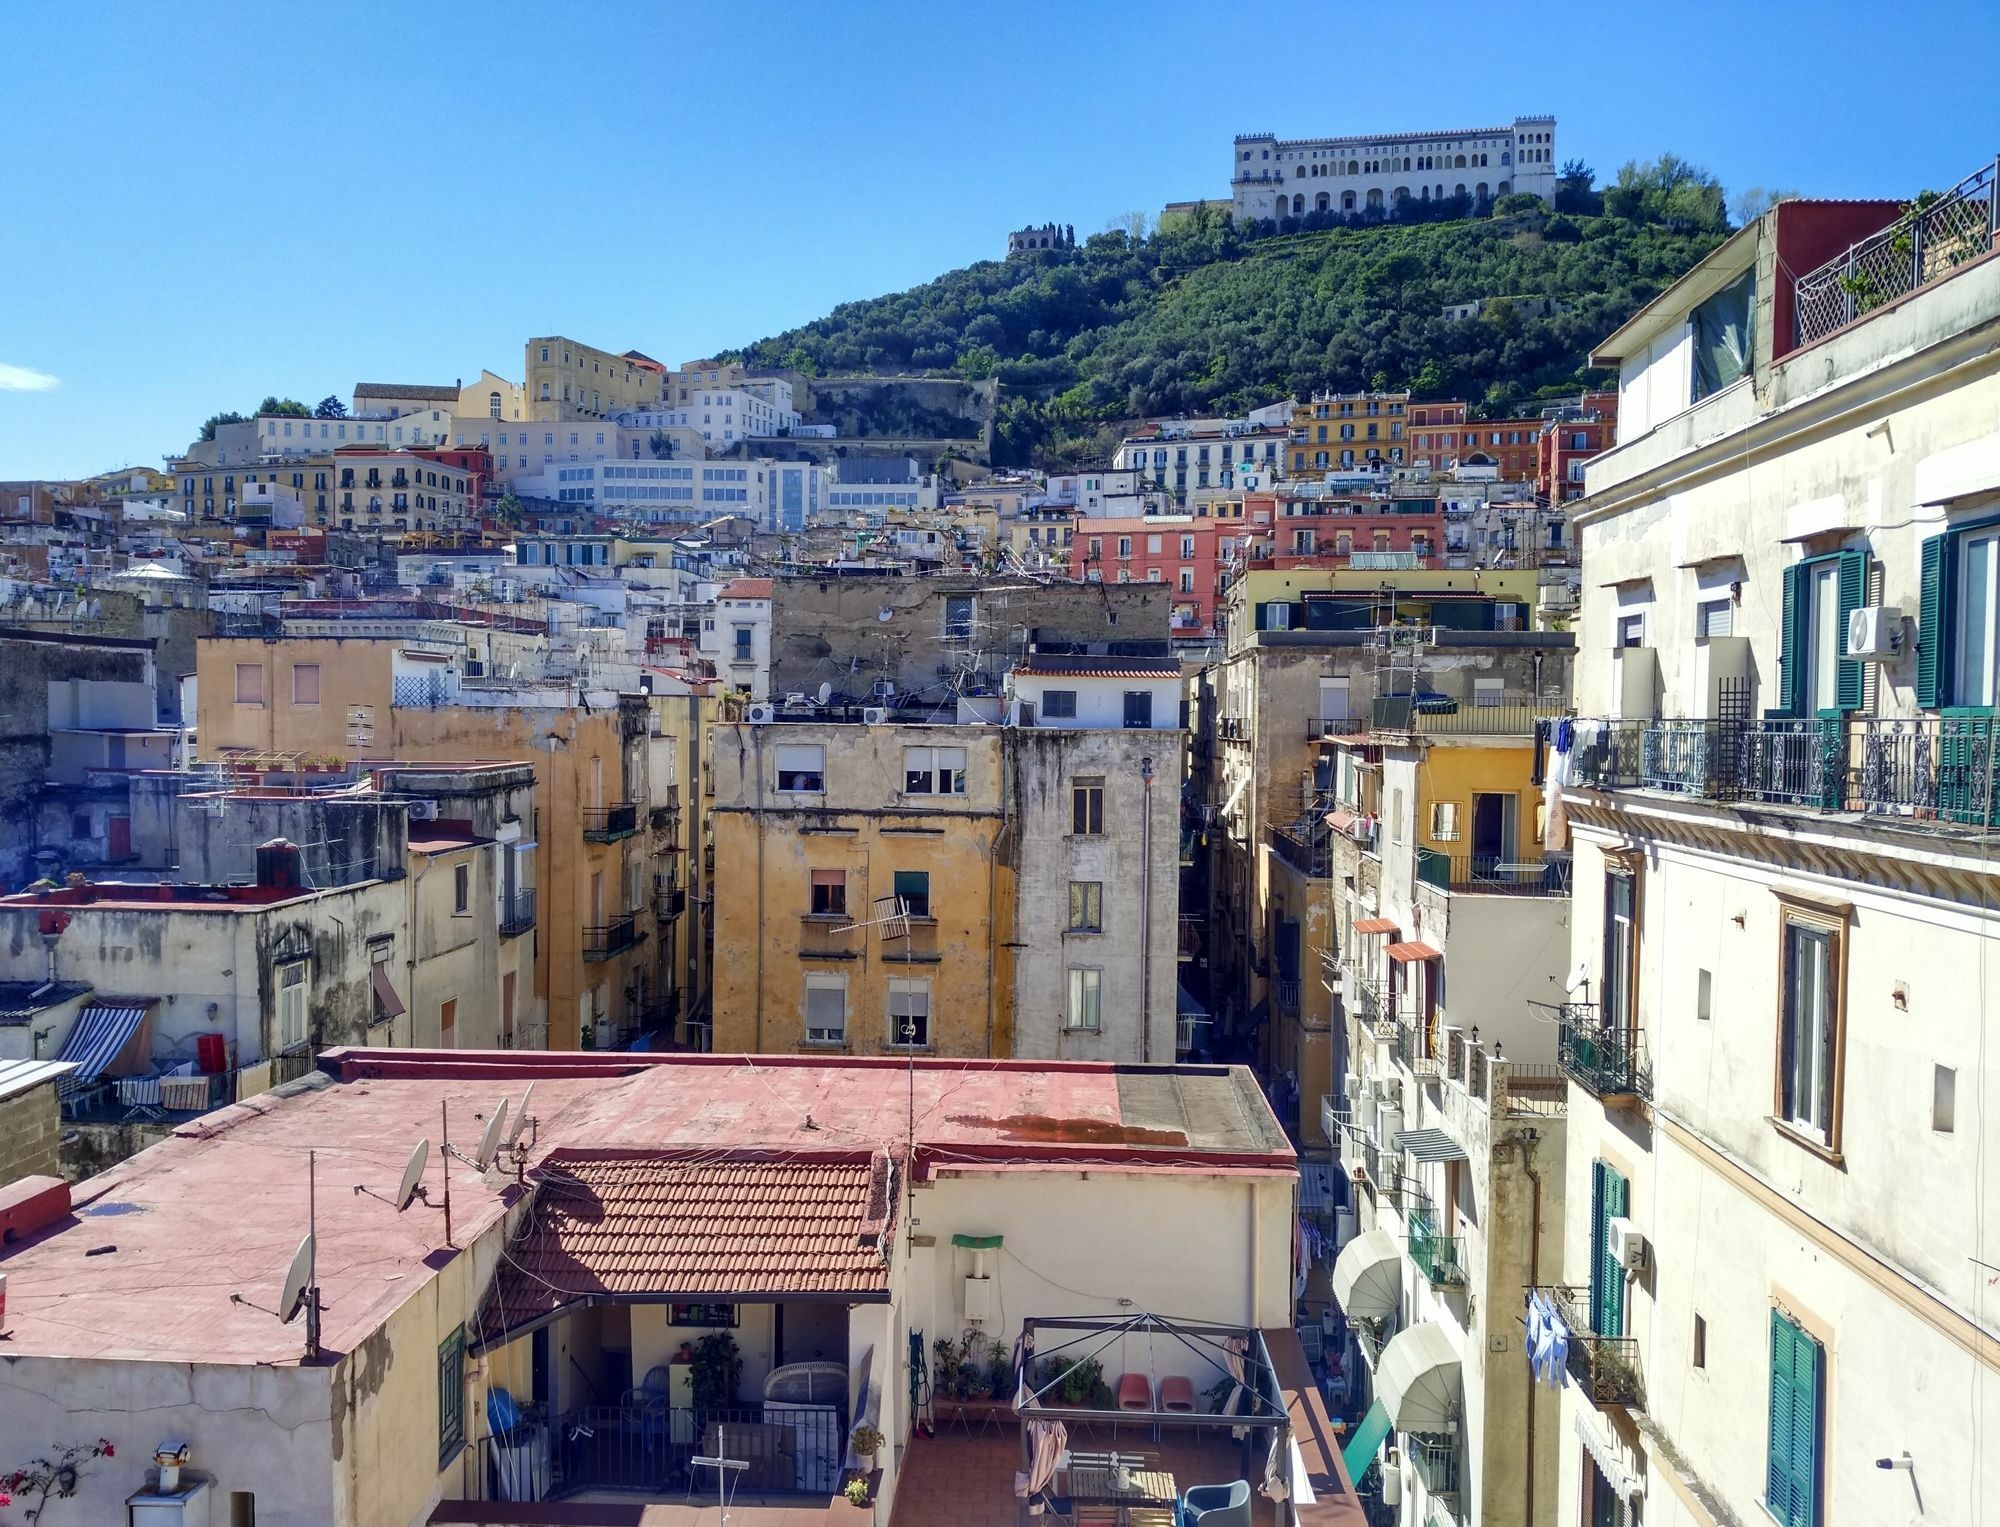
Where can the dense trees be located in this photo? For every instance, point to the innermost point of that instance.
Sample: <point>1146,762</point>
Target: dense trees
<point>1205,317</point>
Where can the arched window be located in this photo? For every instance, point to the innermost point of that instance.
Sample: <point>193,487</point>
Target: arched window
<point>1505,187</point>
<point>493,404</point>
<point>1400,195</point>
<point>1479,191</point>
<point>1505,157</point>
<point>1354,166</point>
<point>1298,172</point>
<point>1346,201</point>
<point>1459,162</point>
<point>1427,193</point>
<point>1298,206</point>
<point>1321,202</point>
<point>1375,198</point>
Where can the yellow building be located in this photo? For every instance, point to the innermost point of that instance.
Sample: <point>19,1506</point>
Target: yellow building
<point>1347,430</point>
<point>213,493</point>
<point>366,697</point>
<point>489,396</point>
<point>1468,600</point>
<point>570,380</point>
<point>865,908</point>
<point>377,490</point>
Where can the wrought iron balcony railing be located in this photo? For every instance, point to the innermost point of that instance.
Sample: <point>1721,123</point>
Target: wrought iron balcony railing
<point>1436,1256</point>
<point>1311,857</point>
<point>1605,1368</point>
<point>614,937</point>
<point>517,913</point>
<point>1607,1060</point>
<point>1286,991</point>
<point>607,824</point>
<point>1515,874</point>
<point>1436,1462</point>
<point>1936,236</point>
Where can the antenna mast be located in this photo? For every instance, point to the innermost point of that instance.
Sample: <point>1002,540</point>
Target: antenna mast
<point>312,1277</point>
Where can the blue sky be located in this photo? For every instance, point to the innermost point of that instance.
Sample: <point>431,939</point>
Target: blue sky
<point>205,204</point>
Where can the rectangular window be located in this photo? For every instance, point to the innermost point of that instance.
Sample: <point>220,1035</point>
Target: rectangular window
<point>802,768</point>
<point>742,643</point>
<point>957,617</point>
<point>1712,619</point>
<point>249,683</point>
<point>1793,1473</point>
<point>913,890</point>
<point>1820,595</point>
<point>826,1010</point>
<point>1809,1031</point>
<point>451,1396</point>
<point>1978,602</point>
<point>1059,704</point>
<point>1610,1199</point>
<point>934,771</point>
<point>1086,999</point>
<point>909,1012</point>
<point>1086,806</point>
<point>292,991</point>
<point>1138,709</point>
<point>1444,821</point>
<point>461,890</point>
<point>829,893</point>
<point>1086,906</point>
<point>305,683</point>
<point>1488,693</point>
<point>1631,631</point>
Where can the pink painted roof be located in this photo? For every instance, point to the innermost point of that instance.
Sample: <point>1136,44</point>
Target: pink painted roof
<point>219,1206</point>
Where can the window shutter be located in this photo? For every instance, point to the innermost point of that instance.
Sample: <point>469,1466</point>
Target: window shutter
<point>1793,1471</point>
<point>1616,1192</point>
<point>1597,1239</point>
<point>1852,589</point>
<point>1791,657</point>
<point>1933,642</point>
<point>1778,1464</point>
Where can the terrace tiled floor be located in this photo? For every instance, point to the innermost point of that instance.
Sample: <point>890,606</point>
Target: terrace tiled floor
<point>953,1481</point>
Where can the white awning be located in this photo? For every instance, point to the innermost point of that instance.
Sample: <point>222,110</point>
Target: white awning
<point>1417,1380</point>
<point>1368,1276</point>
<point>1605,1455</point>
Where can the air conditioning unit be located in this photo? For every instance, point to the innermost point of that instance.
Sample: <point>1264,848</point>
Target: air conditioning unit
<point>1874,632</point>
<point>423,811</point>
<point>761,715</point>
<point>875,715</point>
<point>1626,1245</point>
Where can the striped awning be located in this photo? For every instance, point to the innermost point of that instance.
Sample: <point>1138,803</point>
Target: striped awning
<point>1405,954</point>
<point>97,1038</point>
<point>1429,1145</point>
<point>1375,925</point>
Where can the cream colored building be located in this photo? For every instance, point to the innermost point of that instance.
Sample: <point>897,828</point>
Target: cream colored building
<point>1779,1035</point>
<point>571,380</point>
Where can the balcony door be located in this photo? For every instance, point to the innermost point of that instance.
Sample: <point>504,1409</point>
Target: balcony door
<point>1494,832</point>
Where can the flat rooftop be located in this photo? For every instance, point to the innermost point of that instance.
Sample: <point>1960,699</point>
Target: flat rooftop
<point>147,1265</point>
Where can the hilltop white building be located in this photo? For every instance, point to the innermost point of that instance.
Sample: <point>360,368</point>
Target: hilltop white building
<point>1272,177</point>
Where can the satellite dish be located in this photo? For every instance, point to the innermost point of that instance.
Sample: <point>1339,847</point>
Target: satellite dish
<point>825,694</point>
<point>413,1175</point>
<point>1577,979</point>
<point>489,1142</point>
<point>521,1114</point>
<point>885,614</point>
<point>297,1280</point>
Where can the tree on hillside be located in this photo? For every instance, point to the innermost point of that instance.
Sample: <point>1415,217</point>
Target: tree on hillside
<point>215,421</point>
<point>289,408</point>
<point>1573,193</point>
<point>330,407</point>
<point>1670,190</point>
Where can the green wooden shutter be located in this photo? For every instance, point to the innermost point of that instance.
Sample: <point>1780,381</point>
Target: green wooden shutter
<point>1597,1170</point>
<point>1617,1196</point>
<point>1933,643</point>
<point>1792,1471</point>
<point>1852,588</point>
<point>1791,654</point>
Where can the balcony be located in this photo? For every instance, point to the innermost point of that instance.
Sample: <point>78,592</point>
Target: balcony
<point>1608,1062</point>
<point>1436,1256</point>
<point>1309,856</point>
<point>1927,770</point>
<point>1502,718</point>
<point>1605,1368</point>
<point>1322,727</point>
<point>607,824</point>
<point>1530,874</point>
<point>1413,1050</point>
<point>669,902</point>
<point>517,913</point>
<point>1928,243</point>
<point>612,938</point>
<point>1286,993</point>
<point>1436,1461</point>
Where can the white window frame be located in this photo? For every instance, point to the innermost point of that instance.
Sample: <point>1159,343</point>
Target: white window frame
<point>808,778</point>
<point>1444,821</point>
<point>933,771</point>
<point>907,987</point>
<point>293,981</point>
<point>823,1034</point>
<point>1083,1005</point>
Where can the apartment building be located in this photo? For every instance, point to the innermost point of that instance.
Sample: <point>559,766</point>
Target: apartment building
<point>1196,459</point>
<point>1272,177</point>
<point>398,695</point>
<point>1193,558</point>
<point>1317,525</point>
<point>1777,1033</point>
<point>1571,434</point>
<point>567,379</point>
<point>399,490</point>
<point>747,411</point>
<point>1338,430</point>
<point>736,636</point>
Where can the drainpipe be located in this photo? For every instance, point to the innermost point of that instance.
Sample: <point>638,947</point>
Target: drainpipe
<point>1527,1143</point>
<point>1146,914</point>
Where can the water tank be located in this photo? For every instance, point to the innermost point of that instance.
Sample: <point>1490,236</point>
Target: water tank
<point>278,866</point>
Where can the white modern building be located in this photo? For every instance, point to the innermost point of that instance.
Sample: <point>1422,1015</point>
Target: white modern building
<point>1780,1030</point>
<point>1273,177</point>
<point>753,410</point>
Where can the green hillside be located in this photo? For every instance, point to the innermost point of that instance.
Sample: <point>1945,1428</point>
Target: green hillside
<point>1202,317</point>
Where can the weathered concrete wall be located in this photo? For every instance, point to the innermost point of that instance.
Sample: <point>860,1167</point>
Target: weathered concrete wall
<point>30,1128</point>
<point>831,630</point>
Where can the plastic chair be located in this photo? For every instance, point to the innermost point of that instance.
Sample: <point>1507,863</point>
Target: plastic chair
<point>1135,1392</point>
<point>1217,1505</point>
<point>1177,1394</point>
<point>652,1400</point>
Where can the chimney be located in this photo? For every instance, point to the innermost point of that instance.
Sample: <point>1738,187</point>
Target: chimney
<point>278,866</point>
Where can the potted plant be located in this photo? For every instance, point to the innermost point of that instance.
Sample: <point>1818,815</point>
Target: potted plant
<point>865,1440</point>
<point>856,1492</point>
<point>717,1367</point>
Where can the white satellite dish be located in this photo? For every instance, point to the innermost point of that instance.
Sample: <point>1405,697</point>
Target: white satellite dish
<point>520,1114</point>
<point>885,614</point>
<point>1577,979</point>
<point>489,1142</point>
<point>298,1280</point>
<point>825,694</point>
<point>413,1175</point>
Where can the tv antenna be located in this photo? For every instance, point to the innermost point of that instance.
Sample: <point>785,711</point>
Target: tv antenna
<point>299,1294</point>
<point>511,1136</point>
<point>724,1466</point>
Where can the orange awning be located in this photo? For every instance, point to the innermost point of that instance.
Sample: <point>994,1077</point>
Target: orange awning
<point>1375,925</point>
<point>1405,953</point>
<point>1340,821</point>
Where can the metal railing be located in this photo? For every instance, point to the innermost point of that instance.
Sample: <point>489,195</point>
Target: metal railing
<point>1933,238</point>
<point>422,691</point>
<point>1606,1060</point>
<point>607,824</point>
<point>1507,718</point>
<point>648,1449</point>
<point>1529,874</point>
<point>1286,991</point>
<point>517,913</point>
<point>529,1036</point>
<point>1309,856</point>
<point>1337,726</point>
<point>614,937</point>
<point>1606,755</point>
<point>1436,1462</point>
<point>1605,1368</point>
<point>1436,1256</point>
<point>669,902</point>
